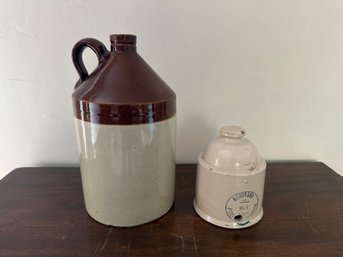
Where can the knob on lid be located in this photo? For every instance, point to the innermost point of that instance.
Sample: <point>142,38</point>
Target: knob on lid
<point>232,153</point>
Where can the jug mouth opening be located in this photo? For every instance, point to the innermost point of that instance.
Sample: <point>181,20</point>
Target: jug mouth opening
<point>123,39</point>
<point>123,43</point>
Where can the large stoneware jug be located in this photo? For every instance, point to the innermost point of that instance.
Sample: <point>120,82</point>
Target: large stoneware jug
<point>125,117</point>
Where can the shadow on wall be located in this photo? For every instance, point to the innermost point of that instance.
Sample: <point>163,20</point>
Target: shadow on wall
<point>193,135</point>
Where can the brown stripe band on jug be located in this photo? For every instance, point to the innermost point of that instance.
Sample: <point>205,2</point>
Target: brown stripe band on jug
<point>111,114</point>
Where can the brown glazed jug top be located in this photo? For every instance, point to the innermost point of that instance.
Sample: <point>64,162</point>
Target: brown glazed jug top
<point>123,89</point>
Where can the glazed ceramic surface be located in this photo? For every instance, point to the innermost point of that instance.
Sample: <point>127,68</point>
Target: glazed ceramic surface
<point>127,171</point>
<point>125,117</point>
<point>230,181</point>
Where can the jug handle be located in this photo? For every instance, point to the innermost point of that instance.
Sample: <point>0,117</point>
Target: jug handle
<point>98,48</point>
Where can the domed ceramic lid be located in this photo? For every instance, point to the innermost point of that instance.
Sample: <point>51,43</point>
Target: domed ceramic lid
<point>232,153</point>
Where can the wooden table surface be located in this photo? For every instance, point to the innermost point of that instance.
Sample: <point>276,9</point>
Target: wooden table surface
<point>42,213</point>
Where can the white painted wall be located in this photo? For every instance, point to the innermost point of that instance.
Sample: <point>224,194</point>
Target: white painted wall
<point>273,67</point>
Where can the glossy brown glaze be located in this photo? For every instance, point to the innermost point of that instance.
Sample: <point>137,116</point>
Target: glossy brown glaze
<point>123,89</point>
<point>43,214</point>
<point>124,114</point>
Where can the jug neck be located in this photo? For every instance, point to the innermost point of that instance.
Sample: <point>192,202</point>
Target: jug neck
<point>123,43</point>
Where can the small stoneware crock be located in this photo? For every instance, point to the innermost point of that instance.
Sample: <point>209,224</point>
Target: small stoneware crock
<point>230,181</point>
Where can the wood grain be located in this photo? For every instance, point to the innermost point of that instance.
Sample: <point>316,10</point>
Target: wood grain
<point>42,213</point>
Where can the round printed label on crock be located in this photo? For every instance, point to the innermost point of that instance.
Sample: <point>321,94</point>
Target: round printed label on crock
<point>242,205</point>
